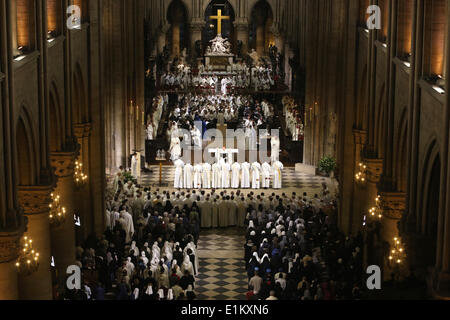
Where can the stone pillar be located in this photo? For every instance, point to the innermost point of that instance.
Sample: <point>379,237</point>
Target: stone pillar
<point>35,201</point>
<point>9,250</point>
<point>242,34</point>
<point>196,35</point>
<point>13,30</point>
<point>63,236</point>
<point>393,205</point>
<point>358,207</point>
<point>260,40</point>
<point>176,40</point>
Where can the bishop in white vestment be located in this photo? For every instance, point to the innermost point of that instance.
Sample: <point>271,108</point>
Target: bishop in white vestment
<point>188,176</point>
<point>235,175</point>
<point>198,169</point>
<point>265,175</point>
<point>245,179</point>
<point>178,183</point>
<point>206,176</point>
<point>256,175</point>
<point>277,169</point>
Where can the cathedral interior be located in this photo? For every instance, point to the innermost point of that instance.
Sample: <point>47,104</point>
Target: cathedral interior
<point>78,85</point>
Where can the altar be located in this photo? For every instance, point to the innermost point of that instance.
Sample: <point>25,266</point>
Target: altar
<point>221,152</point>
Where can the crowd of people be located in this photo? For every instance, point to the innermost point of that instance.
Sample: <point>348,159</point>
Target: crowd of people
<point>214,110</point>
<point>294,251</point>
<point>159,104</point>
<point>148,251</point>
<point>224,175</point>
<point>294,121</point>
<point>236,76</point>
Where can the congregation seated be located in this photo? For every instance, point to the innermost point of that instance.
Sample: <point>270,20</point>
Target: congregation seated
<point>148,251</point>
<point>294,251</point>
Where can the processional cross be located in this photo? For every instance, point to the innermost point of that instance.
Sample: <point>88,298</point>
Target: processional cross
<point>219,19</point>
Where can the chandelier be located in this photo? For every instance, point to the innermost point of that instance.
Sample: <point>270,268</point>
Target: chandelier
<point>28,260</point>
<point>57,212</point>
<point>79,176</point>
<point>361,175</point>
<point>397,254</point>
<point>375,213</point>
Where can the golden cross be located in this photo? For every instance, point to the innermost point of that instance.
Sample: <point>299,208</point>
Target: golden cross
<point>219,19</point>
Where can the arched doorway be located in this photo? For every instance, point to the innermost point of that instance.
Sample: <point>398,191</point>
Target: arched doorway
<point>261,36</point>
<point>211,28</point>
<point>178,35</point>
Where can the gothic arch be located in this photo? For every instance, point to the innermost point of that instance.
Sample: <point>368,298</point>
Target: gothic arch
<point>232,3</point>
<point>25,149</point>
<point>431,198</point>
<point>400,156</point>
<point>252,4</point>
<point>380,124</point>
<point>80,113</point>
<point>56,123</point>
<point>432,153</point>
<point>362,101</point>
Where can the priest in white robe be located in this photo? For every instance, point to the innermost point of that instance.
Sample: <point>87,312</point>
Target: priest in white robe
<point>134,165</point>
<point>223,213</point>
<point>206,213</point>
<point>198,169</point>
<point>245,178</point>
<point>265,175</point>
<point>216,176</point>
<point>206,176</point>
<point>232,213</point>
<point>175,150</point>
<point>235,175</point>
<point>241,213</point>
<point>256,175</point>
<point>179,166</point>
<point>188,176</point>
<point>275,147</point>
<point>277,169</point>
<point>226,168</point>
<point>215,213</point>
<point>127,224</point>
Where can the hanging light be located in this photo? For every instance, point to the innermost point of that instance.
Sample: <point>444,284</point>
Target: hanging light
<point>397,254</point>
<point>361,175</point>
<point>57,212</point>
<point>28,260</point>
<point>79,176</point>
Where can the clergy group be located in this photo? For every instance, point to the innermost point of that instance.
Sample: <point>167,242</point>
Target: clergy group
<point>223,175</point>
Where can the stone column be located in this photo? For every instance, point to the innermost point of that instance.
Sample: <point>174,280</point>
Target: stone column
<point>242,34</point>
<point>9,251</point>
<point>196,29</point>
<point>13,30</point>
<point>175,39</point>
<point>260,40</point>
<point>355,218</point>
<point>63,236</point>
<point>35,201</point>
<point>393,205</point>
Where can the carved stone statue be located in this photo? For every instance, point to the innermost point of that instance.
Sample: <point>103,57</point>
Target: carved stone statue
<point>220,46</point>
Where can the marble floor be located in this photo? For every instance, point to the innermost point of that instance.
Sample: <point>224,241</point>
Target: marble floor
<point>222,274</point>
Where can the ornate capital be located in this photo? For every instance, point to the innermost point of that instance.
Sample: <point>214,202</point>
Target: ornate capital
<point>360,136</point>
<point>82,130</point>
<point>241,25</point>
<point>197,26</point>
<point>374,169</point>
<point>64,163</point>
<point>393,204</point>
<point>10,245</point>
<point>35,199</point>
